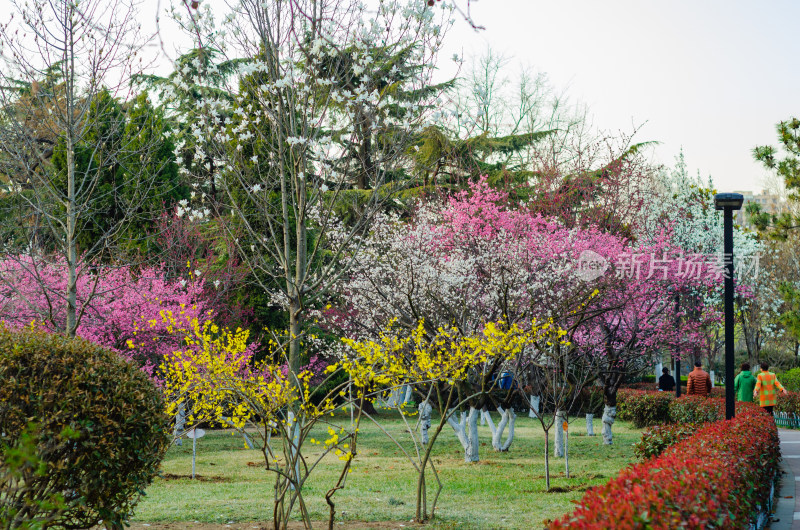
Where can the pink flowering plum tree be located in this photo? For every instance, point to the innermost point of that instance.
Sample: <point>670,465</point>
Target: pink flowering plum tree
<point>639,318</point>
<point>116,306</point>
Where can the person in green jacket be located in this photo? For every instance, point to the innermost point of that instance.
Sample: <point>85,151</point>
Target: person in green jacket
<point>744,384</point>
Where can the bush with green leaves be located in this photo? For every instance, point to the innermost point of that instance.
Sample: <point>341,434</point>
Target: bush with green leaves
<point>659,437</point>
<point>790,379</point>
<point>643,408</point>
<point>696,409</point>
<point>82,432</point>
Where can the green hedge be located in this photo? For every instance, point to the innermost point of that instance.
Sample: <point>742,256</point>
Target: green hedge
<point>646,408</point>
<point>790,380</point>
<point>87,431</point>
<point>658,437</point>
<point>643,408</point>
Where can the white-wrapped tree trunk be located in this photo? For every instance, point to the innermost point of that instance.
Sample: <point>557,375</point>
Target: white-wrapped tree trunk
<point>471,454</point>
<point>609,415</point>
<point>459,427</point>
<point>659,369</point>
<point>294,430</point>
<point>711,375</point>
<point>507,419</point>
<point>180,423</point>
<point>558,447</point>
<point>486,418</point>
<point>590,425</point>
<point>395,398</point>
<point>425,410</point>
<point>409,394</point>
<point>534,411</point>
<point>467,433</point>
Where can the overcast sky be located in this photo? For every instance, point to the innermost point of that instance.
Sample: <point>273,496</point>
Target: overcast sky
<point>713,77</point>
<point>710,76</point>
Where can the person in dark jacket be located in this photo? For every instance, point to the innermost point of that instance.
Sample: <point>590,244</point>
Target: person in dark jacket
<point>744,384</point>
<point>666,382</point>
<point>699,383</point>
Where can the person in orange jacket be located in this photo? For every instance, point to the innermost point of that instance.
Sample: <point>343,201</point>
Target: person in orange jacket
<point>765,390</point>
<point>699,382</point>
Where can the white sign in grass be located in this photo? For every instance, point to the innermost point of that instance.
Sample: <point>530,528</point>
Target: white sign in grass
<point>194,434</point>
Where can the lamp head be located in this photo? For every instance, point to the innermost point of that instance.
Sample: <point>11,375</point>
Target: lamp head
<point>731,201</point>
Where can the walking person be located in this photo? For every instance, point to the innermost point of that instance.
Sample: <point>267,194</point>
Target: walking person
<point>744,384</point>
<point>699,383</point>
<point>666,382</point>
<point>766,383</point>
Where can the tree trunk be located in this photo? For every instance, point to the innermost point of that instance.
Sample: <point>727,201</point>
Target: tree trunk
<point>471,454</point>
<point>590,425</point>
<point>534,411</point>
<point>558,448</point>
<point>294,433</point>
<point>486,418</point>
<point>365,154</point>
<point>547,460</point>
<point>610,387</point>
<point>425,410</point>
<point>180,423</point>
<point>507,419</point>
<point>459,428</point>
<point>609,415</point>
<point>409,395</point>
<point>467,433</point>
<point>294,340</point>
<point>72,249</point>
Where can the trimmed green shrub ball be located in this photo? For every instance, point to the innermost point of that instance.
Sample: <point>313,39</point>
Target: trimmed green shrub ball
<point>82,431</point>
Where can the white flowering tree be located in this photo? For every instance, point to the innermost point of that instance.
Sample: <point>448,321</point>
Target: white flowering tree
<point>696,229</point>
<point>315,124</point>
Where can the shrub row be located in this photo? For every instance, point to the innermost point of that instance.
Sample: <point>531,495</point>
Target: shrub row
<point>788,403</point>
<point>696,409</point>
<point>791,379</point>
<point>657,438</point>
<point>718,478</point>
<point>644,408</point>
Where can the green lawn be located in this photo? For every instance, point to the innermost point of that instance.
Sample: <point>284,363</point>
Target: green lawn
<point>504,490</point>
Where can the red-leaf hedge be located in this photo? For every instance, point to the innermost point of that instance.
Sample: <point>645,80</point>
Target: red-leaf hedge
<point>718,478</point>
<point>788,403</point>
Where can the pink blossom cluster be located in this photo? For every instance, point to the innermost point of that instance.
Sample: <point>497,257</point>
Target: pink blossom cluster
<point>480,258</point>
<point>115,305</point>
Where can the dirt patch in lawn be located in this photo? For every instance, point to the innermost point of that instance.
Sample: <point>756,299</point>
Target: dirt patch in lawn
<point>199,478</point>
<point>294,525</point>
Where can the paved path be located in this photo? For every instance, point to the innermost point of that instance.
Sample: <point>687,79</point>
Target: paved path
<point>787,507</point>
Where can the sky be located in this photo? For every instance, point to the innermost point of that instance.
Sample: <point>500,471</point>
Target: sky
<point>711,77</point>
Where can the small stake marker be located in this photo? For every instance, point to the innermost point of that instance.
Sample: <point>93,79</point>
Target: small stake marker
<point>194,434</point>
<point>565,426</point>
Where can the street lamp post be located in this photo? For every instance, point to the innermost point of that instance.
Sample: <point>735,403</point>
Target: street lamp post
<point>728,202</point>
<point>677,350</point>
